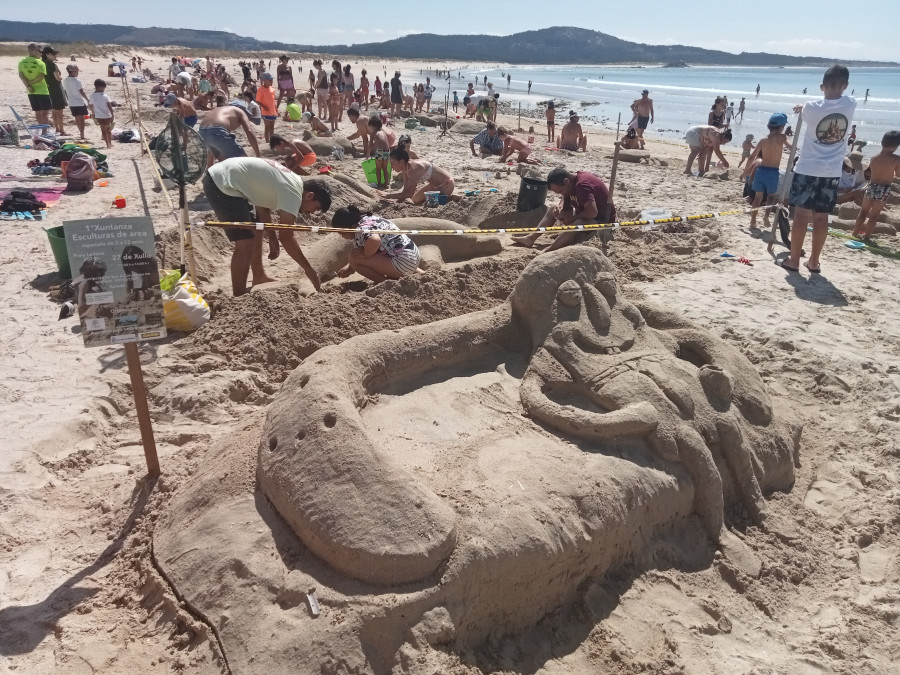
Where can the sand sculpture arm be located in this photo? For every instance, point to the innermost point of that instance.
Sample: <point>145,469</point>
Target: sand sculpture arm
<point>635,419</point>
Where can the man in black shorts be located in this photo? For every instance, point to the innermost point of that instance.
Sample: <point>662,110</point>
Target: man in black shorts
<point>33,73</point>
<point>234,186</point>
<point>643,109</point>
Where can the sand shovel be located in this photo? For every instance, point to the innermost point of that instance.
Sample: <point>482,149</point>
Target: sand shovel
<point>786,185</point>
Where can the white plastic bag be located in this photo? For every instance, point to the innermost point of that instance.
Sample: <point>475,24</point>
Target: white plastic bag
<point>184,308</point>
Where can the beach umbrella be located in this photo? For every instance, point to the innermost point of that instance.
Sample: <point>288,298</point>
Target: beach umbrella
<point>182,156</point>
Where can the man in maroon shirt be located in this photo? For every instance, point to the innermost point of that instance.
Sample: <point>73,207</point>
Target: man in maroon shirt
<point>584,200</point>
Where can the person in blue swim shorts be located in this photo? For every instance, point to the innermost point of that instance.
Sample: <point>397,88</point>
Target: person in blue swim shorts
<point>769,152</point>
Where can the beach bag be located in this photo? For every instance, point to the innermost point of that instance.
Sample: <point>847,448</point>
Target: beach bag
<point>80,172</point>
<point>183,306</point>
<point>19,201</point>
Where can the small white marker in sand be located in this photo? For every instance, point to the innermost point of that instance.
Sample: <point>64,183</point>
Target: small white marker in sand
<point>313,602</point>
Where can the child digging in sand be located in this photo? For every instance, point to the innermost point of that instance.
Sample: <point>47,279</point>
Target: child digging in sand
<point>885,166</point>
<point>770,150</point>
<point>512,144</point>
<point>376,256</point>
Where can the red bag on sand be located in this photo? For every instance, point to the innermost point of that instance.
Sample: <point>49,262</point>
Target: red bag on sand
<point>80,172</point>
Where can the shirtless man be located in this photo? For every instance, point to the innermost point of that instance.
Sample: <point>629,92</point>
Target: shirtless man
<point>885,167</point>
<point>185,109</point>
<point>704,141</point>
<point>770,150</point>
<point>217,131</point>
<point>740,111</point>
<point>571,136</point>
<point>299,154</point>
<point>511,144</point>
<point>643,108</point>
<point>362,129</point>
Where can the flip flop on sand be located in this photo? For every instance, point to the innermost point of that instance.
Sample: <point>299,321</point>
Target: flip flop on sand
<point>781,264</point>
<point>817,270</point>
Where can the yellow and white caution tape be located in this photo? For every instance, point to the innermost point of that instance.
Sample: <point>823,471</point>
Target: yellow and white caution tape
<point>646,224</point>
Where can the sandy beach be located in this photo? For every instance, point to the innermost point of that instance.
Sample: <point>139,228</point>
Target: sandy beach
<point>90,583</point>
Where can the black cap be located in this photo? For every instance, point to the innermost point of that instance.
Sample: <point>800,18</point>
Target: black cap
<point>49,50</point>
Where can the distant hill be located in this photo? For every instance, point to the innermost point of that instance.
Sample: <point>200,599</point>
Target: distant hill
<point>558,45</point>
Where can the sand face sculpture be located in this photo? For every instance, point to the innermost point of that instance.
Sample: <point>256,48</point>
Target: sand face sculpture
<point>679,418</point>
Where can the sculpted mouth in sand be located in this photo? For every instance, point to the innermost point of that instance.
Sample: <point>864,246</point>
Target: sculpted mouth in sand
<point>638,420</point>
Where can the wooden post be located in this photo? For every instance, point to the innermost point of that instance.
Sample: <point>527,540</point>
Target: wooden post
<point>143,411</point>
<point>607,235</point>
<point>787,180</point>
<point>520,116</point>
<point>137,99</point>
<point>618,126</point>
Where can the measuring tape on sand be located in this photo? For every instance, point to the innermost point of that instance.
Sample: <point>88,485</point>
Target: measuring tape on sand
<point>646,224</point>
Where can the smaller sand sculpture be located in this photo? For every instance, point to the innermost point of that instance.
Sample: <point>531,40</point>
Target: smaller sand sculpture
<point>622,378</point>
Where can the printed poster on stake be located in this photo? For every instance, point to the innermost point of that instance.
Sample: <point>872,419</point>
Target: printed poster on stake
<point>116,280</point>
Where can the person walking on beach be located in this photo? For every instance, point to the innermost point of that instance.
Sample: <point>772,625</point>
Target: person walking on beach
<point>757,90</point>
<point>818,171</point>
<point>740,111</point>
<point>643,109</point>
<point>585,200</point>
<point>729,113</point>
<point>396,94</point>
<point>551,122</point>
<point>529,86</point>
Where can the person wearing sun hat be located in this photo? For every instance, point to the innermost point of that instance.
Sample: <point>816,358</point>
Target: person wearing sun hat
<point>852,184</point>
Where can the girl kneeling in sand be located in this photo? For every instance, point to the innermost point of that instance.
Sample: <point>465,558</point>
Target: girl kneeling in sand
<point>418,172</point>
<point>376,256</point>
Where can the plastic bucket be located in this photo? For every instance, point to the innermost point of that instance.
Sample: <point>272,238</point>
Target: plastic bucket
<point>532,194</point>
<point>368,166</point>
<point>432,198</point>
<point>57,238</point>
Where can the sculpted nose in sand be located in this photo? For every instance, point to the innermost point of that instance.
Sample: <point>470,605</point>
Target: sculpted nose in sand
<point>638,420</point>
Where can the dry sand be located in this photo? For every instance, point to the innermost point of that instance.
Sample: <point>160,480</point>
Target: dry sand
<point>80,590</point>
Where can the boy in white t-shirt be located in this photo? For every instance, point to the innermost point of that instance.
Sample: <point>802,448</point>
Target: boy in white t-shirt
<point>101,108</point>
<point>818,171</point>
<point>78,100</point>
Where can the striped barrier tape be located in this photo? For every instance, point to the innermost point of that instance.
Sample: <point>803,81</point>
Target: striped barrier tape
<point>647,224</point>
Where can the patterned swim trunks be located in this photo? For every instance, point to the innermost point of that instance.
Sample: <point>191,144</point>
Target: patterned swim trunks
<point>878,192</point>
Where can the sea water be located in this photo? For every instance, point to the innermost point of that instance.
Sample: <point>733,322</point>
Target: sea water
<point>682,97</point>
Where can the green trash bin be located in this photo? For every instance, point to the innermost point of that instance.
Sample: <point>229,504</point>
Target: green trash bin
<point>57,238</point>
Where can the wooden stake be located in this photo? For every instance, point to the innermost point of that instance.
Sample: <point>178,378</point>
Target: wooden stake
<point>143,411</point>
<point>520,116</point>
<point>606,236</point>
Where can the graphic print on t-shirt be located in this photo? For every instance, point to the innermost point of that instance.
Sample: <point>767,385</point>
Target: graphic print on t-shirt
<point>832,129</point>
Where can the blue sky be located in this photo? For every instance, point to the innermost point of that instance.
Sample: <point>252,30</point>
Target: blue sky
<point>827,28</point>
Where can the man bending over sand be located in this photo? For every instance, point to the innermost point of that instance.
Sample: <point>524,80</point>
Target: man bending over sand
<point>235,185</point>
<point>217,131</point>
<point>571,136</point>
<point>704,141</point>
<point>584,200</point>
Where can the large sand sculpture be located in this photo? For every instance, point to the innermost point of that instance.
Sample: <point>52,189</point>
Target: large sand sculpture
<point>464,477</point>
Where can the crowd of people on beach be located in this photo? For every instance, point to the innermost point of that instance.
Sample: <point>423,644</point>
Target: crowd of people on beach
<point>242,188</point>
